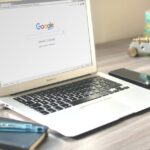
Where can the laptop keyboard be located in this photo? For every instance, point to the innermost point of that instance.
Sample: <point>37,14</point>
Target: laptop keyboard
<point>65,96</point>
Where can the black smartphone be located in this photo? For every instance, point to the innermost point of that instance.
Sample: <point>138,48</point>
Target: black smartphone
<point>137,78</point>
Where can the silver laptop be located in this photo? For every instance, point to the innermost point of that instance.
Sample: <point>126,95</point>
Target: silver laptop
<point>48,68</point>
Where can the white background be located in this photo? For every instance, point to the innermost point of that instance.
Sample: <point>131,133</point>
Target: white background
<point>27,53</point>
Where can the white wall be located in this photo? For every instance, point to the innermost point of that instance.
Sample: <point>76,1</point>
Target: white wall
<point>118,19</point>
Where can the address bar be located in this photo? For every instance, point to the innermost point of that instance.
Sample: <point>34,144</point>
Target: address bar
<point>43,35</point>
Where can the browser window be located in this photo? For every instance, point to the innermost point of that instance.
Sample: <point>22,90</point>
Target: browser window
<point>37,39</point>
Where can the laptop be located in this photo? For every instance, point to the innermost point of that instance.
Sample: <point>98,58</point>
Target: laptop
<point>48,68</point>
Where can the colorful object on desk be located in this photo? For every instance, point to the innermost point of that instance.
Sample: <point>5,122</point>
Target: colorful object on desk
<point>20,135</point>
<point>139,47</point>
<point>21,127</point>
<point>147,24</point>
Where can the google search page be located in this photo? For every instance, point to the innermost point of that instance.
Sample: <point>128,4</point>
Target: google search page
<point>42,39</point>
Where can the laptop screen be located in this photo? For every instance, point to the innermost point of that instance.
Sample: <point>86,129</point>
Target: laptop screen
<point>42,38</point>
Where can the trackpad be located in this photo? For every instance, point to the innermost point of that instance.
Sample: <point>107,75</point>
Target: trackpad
<point>106,109</point>
<point>91,116</point>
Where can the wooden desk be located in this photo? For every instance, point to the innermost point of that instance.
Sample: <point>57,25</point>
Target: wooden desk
<point>132,133</point>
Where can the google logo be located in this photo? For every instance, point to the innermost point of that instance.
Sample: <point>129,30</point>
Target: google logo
<point>44,26</point>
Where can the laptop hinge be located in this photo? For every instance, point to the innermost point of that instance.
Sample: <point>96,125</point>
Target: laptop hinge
<point>56,84</point>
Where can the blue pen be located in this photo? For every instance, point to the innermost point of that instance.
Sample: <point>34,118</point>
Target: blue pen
<point>21,127</point>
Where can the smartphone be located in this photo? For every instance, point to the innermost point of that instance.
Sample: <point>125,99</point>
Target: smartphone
<point>140,79</point>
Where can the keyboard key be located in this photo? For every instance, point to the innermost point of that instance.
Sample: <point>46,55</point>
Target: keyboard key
<point>51,110</point>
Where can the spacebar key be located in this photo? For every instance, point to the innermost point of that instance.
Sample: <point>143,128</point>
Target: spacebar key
<point>92,97</point>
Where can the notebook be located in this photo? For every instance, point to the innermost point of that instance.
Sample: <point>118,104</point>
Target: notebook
<point>48,68</point>
<point>20,141</point>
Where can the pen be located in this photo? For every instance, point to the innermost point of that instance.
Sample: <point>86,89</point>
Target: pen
<point>21,127</point>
